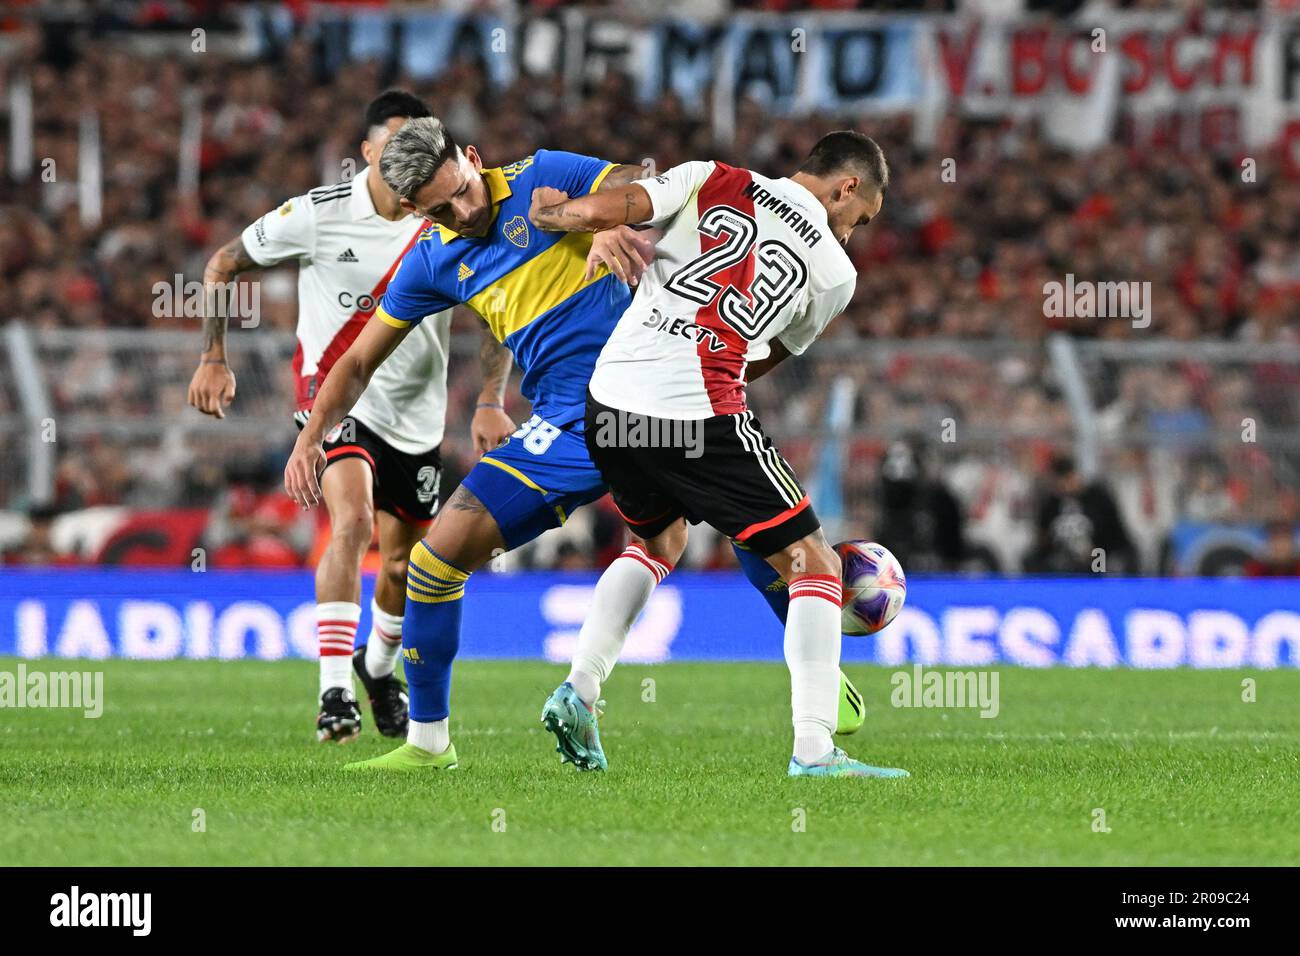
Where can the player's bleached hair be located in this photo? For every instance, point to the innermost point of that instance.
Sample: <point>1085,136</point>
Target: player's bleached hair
<point>847,150</point>
<point>415,153</point>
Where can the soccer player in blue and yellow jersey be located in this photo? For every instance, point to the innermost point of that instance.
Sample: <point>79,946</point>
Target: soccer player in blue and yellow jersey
<point>552,299</point>
<point>538,295</point>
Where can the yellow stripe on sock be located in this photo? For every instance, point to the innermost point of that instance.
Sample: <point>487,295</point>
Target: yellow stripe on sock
<point>413,585</point>
<point>411,595</point>
<point>434,566</point>
<point>431,580</point>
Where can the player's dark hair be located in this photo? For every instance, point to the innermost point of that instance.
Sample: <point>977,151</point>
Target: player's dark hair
<point>392,103</point>
<point>848,151</point>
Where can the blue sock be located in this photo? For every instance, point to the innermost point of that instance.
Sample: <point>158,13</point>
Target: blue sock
<point>431,631</point>
<point>764,577</point>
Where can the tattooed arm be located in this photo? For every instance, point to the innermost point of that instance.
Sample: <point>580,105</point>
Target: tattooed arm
<point>619,244</point>
<point>625,205</point>
<point>491,425</point>
<point>213,386</point>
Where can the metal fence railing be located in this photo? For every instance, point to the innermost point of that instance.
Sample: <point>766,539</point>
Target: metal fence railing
<point>953,451</point>
<point>1194,433</point>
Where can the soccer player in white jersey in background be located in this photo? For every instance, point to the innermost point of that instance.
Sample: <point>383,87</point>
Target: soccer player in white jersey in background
<point>748,269</point>
<point>382,461</point>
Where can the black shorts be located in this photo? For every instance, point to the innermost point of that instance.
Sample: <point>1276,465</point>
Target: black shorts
<point>405,485</point>
<point>722,471</point>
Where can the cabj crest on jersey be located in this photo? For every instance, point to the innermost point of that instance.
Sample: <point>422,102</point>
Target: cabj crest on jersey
<point>516,230</point>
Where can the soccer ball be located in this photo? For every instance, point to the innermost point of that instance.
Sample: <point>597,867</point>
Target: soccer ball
<point>874,586</point>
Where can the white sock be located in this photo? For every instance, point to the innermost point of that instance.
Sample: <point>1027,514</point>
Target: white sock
<point>433,736</point>
<point>812,652</point>
<point>336,632</point>
<point>621,594</point>
<point>385,641</point>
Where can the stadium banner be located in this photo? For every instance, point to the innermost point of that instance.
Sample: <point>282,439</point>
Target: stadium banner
<point>694,616</point>
<point>789,65</point>
<point>1209,80</point>
<point>1212,81</point>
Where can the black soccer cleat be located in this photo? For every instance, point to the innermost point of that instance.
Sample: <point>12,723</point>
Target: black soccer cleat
<point>340,717</point>
<point>388,700</point>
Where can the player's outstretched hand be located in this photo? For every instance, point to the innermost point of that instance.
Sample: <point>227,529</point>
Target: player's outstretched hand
<point>212,388</point>
<point>489,428</point>
<point>623,250</point>
<point>302,473</point>
<point>544,196</point>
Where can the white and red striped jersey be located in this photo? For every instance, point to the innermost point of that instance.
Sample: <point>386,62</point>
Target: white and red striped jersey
<point>743,259</point>
<point>346,255</point>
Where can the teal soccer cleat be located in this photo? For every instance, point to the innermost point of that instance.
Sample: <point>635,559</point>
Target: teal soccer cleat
<point>574,725</point>
<point>840,764</point>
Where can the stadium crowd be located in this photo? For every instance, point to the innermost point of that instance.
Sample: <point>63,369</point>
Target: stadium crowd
<point>964,259</point>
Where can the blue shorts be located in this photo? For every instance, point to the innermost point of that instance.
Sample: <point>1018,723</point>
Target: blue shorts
<point>536,479</point>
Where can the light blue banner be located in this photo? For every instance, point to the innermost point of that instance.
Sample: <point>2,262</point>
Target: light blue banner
<point>691,617</point>
<point>788,64</point>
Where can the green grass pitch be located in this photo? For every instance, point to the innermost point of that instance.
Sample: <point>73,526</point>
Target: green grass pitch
<point>1186,772</point>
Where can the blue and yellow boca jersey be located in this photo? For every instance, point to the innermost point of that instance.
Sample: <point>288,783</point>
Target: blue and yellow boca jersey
<point>529,286</point>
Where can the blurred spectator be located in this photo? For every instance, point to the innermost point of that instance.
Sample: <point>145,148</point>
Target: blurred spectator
<point>37,547</point>
<point>569,558</point>
<point>1280,557</point>
<point>920,518</point>
<point>1207,495</point>
<point>1075,519</point>
<point>251,529</point>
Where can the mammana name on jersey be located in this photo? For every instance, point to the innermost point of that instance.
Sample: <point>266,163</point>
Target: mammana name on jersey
<point>788,214</point>
<point>103,909</point>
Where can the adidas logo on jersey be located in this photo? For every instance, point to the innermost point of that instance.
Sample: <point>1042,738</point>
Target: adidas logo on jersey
<point>463,273</point>
<point>347,256</point>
